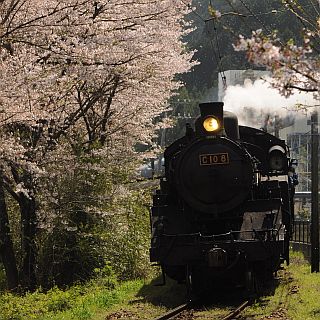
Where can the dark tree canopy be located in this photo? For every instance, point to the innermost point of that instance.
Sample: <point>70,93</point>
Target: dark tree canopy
<point>213,40</point>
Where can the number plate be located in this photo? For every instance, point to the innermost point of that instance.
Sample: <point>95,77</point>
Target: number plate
<point>215,158</point>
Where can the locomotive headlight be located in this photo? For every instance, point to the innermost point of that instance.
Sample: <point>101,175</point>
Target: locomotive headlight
<point>277,158</point>
<point>277,162</point>
<point>211,124</point>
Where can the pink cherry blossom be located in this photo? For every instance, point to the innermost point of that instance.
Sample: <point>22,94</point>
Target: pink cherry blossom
<point>293,67</point>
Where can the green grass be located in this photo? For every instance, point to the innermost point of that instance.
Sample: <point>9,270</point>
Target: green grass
<point>296,297</point>
<point>93,301</point>
<point>78,302</point>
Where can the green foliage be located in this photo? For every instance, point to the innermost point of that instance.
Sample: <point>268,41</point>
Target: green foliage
<point>88,212</point>
<point>127,233</point>
<point>100,227</point>
<point>34,305</point>
<point>184,109</point>
<point>296,295</point>
<point>77,302</point>
<point>67,257</point>
<point>3,280</point>
<point>304,213</point>
<point>106,276</point>
<point>81,312</point>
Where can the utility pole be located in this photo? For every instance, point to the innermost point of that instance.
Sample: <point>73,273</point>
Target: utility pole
<point>314,193</point>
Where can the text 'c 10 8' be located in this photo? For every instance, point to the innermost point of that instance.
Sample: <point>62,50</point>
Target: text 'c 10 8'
<point>213,159</point>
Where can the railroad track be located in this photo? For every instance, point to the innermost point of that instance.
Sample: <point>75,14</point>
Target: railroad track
<point>180,309</point>
<point>237,311</point>
<point>174,312</point>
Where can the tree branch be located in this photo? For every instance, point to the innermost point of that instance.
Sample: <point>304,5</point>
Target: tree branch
<point>291,86</point>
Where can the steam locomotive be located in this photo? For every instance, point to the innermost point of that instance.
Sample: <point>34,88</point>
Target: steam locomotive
<point>224,209</point>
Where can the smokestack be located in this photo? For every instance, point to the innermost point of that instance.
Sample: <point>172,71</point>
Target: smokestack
<point>212,109</point>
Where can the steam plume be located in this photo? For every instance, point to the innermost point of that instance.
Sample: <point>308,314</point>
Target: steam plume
<point>257,104</point>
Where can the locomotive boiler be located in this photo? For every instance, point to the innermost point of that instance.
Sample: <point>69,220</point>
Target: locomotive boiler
<point>224,209</point>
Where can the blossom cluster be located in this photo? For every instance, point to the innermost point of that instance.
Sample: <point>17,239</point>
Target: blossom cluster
<point>294,67</point>
<point>84,76</point>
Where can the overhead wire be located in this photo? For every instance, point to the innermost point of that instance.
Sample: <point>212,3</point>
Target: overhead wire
<point>193,11</point>
<point>217,55</point>
<point>304,22</point>
<point>303,10</point>
<point>315,7</point>
<point>256,17</point>
<point>242,18</point>
<point>220,69</point>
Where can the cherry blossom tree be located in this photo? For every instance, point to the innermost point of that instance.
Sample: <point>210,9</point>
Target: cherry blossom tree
<point>78,77</point>
<point>295,66</point>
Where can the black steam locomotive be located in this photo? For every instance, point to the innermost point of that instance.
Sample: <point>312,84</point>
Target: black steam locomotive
<point>224,211</point>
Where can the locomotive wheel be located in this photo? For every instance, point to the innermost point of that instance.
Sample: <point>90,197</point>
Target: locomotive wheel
<point>195,283</point>
<point>264,272</point>
<point>257,278</point>
<point>251,283</point>
<point>189,283</point>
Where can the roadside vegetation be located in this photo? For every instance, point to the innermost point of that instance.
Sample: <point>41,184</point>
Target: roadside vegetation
<point>102,298</point>
<point>294,297</point>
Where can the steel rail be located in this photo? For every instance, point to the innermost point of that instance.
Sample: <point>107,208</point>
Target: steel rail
<point>174,312</point>
<point>237,311</point>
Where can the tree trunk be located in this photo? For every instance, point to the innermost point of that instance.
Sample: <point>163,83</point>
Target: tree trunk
<point>29,223</point>
<point>6,246</point>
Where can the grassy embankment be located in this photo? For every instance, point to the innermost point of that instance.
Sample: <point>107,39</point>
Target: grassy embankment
<point>99,300</point>
<point>295,297</point>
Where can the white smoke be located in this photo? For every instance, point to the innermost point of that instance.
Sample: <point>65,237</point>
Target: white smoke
<point>254,102</point>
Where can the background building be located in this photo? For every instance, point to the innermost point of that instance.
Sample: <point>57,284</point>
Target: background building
<point>237,77</point>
